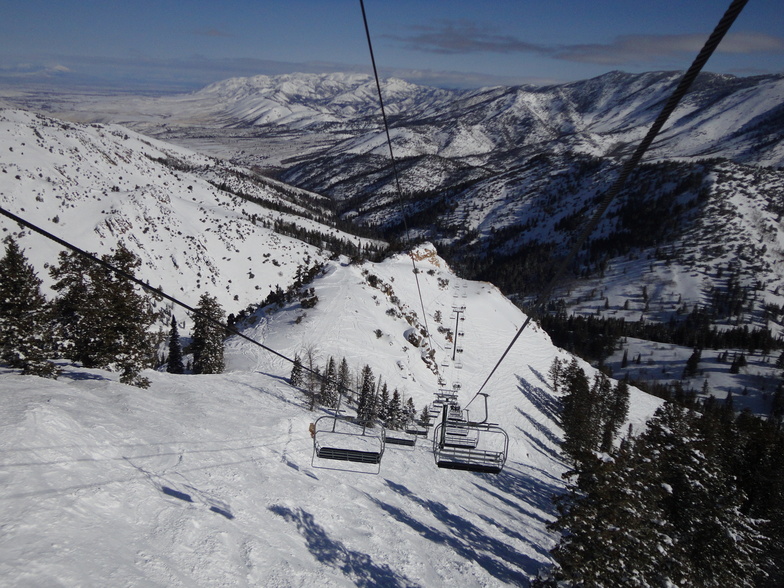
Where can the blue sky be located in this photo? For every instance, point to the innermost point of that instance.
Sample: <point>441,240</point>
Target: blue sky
<point>168,46</point>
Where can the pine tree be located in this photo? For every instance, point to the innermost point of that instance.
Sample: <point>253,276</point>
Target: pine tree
<point>74,308</point>
<point>395,418</point>
<point>578,413</point>
<point>616,410</point>
<point>424,417</point>
<point>612,528</point>
<point>367,410</point>
<point>556,370</point>
<point>312,378</point>
<point>129,346</point>
<point>692,364</point>
<point>295,379</point>
<point>174,364</point>
<point>714,543</point>
<point>383,404</point>
<point>344,377</point>
<point>328,394</point>
<point>104,321</point>
<point>665,511</point>
<point>409,412</point>
<point>207,345</point>
<point>26,336</point>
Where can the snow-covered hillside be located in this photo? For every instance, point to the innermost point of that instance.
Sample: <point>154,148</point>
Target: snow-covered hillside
<point>198,224</point>
<point>207,480</point>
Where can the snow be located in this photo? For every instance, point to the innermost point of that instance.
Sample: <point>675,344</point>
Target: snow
<point>208,480</point>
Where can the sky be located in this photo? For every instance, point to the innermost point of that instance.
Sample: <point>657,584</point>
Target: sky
<point>165,46</point>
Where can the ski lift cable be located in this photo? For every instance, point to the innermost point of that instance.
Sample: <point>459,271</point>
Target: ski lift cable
<point>157,291</point>
<point>394,168</point>
<point>680,91</point>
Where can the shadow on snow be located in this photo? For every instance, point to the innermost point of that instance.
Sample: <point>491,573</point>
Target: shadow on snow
<point>500,560</point>
<point>359,567</point>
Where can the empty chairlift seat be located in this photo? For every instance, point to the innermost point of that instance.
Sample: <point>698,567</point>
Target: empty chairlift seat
<point>484,449</point>
<point>469,446</point>
<point>339,439</point>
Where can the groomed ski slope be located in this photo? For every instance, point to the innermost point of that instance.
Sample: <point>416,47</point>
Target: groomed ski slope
<point>207,480</point>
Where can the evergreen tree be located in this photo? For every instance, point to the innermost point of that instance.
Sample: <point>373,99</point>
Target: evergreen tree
<point>207,345</point>
<point>664,511</point>
<point>312,378</point>
<point>613,533</point>
<point>578,413</point>
<point>714,543</point>
<point>424,417</point>
<point>74,307</point>
<point>409,412</point>
<point>105,322</point>
<point>174,364</point>
<point>328,394</point>
<point>383,404</point>
<point>344,377</point>
<point>395,418</point>
<point>295,379</point>
<point>556,370</point>
<point>367,407</point>
<point>26,336</point>
<point>692,364</point>
<point>616,411</point>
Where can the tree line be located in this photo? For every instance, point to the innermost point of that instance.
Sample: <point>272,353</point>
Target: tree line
<point>97,319</point>
<point>333,383</point>
<point>697,499</point>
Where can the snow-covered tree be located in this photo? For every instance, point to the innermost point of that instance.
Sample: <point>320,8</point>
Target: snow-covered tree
<point>367,407</point>
<point>344,377</point>
<point>26,337</point>
<point>663,511</point>
<point>208,335</point>
<point>714,543</point>
<point>104,321</point>
<point>383,403</point>
<point>328,394</point>
<point>409,412</point>
<point>424,417</point>
<point>616,409</point>
<point>613,533</point>
<point>578,413</point>
<point>395,414</point>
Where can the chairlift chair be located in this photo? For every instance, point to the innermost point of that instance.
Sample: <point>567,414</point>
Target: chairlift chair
<point>402,438</point>
<point>338,439</point>
<point>470,446</point>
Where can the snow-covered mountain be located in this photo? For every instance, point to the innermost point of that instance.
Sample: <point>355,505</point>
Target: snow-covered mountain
<point>722,116</point>
<point>502,179</point>
<point>205,480</point>
<point>197,223</point>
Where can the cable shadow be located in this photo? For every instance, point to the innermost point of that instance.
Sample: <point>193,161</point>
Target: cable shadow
<point>356,566</point>
<point>145,456</point>
<point>98,484</point>
<point>500,560</point>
